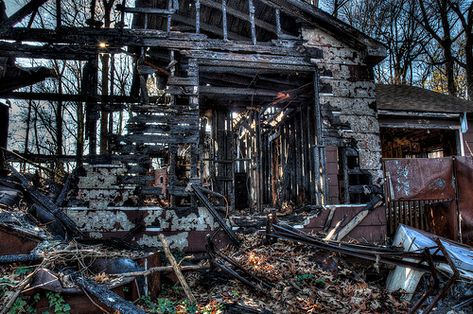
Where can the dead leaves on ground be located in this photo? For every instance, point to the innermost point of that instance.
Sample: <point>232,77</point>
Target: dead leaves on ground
<point>306,281</point>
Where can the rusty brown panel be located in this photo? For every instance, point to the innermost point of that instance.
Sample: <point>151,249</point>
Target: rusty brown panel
<point>372,229</point>
<point>442,219</point>
<point>79,302</point>
<point>419,179</point>
<point>464,176</point>
<point>16,243</point>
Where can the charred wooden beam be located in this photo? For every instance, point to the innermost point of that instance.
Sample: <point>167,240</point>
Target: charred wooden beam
<point>117,99</point>
<point>106,297</point>
<point>224,20</point>
<point>159,138</point>
<point>197,16</point>
<point>58,13</point>
<point>4,120</point>
<point>169,16</point>
<point>225,92</point>
<point>319,148</point>
<point>251,12</point>
<point>246,92</point>
<point>198,191</point>
<point>88,88</point>
<point>143,10</point>
<point>17,77</point>
<point>47,204</point>
<point>101,159</point>
<point>253,61</point>
<point>143,38</point>
<point>60,52</point>
<point>20,258</point>
<point>27,9</point>
<point>419,123</point>
<point>396,113</point>
<point>242,79</point>
<point>277,14</point>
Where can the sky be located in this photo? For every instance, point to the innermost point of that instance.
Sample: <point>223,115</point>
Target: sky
<point>12,6</point>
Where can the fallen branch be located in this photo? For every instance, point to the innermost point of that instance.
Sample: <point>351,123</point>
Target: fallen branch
<point>19,290</point>
<point>176,268</point>
<point>160,269</point>
<point>20,258</point>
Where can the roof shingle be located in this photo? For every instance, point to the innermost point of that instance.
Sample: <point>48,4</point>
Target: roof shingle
<point>411,98</point>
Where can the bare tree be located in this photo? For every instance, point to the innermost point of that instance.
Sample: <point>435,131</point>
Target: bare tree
<point>464,12</point>
<point>438,20</point>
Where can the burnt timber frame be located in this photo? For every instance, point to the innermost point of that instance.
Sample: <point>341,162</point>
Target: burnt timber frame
<point>201,59</point>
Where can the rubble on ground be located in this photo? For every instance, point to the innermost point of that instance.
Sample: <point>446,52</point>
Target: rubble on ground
<point>46,269</point>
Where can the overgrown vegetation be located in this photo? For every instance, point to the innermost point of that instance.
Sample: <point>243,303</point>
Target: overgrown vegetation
<point>27,304</point>
<point>168,306</point>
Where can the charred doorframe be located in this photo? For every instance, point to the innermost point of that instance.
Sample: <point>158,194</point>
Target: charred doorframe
<point>316,151</point>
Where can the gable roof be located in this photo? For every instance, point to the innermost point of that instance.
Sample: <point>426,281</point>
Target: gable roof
<point>312,15</point>
<point>411,98</point>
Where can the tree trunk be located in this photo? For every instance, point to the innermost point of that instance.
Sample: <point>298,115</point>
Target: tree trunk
<point>469,54</point>
<point>469,69</point>
<point>447,47</point>
<point>449,69</point>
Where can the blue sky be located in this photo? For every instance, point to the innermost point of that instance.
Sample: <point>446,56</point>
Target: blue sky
<point>12,6</point>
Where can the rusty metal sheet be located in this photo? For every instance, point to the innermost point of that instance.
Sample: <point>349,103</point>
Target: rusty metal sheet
<point>14,242</point>
<point>371,229</point>
<point>419,179</point>
<point>464,176</point>
<point>443,219</point>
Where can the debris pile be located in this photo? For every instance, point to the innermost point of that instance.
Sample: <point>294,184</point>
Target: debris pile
<point>47,264</point>
<point>300,280</point>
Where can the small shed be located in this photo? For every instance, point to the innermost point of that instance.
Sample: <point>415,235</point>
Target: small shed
<point>418,123</point>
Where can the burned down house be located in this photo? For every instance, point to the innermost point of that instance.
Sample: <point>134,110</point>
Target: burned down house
<point>198,123</point>
<point>265,104</point>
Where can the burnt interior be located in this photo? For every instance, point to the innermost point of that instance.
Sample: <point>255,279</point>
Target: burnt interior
<point>418,143</point>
